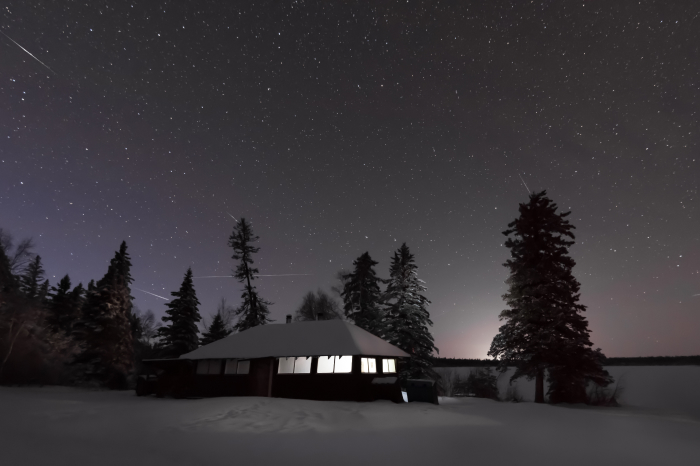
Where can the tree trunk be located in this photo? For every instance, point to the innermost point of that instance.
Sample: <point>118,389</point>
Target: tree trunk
<point>539,386</point>
<point>12,344</point>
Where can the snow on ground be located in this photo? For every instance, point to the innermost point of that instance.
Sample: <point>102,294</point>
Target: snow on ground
<point>671,389</point>
<point>67,426</point>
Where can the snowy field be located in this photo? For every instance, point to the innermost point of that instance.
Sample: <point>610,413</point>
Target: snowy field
<point>66,426</point>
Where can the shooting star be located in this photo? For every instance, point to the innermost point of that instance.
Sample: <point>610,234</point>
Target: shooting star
<point>28,52</point>
<point>153,294</point>
<point>232,217</point>
<point>521,179</point>
<point>277,275</point>
<point>696,295</point>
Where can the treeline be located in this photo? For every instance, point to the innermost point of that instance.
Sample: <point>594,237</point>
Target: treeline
<point>94,336</point>
<point>65,334</point>
<point>463,362</point>
<point>638,361</point>
<point>654,361</point>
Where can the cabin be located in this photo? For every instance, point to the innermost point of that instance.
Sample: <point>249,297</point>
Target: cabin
<point>316,360</point>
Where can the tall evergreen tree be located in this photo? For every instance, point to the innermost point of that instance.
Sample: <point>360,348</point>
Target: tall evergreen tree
<point>254,309</point>
<point>407,316</point>
<point>64,305</point>
<point>216,330</point>
<point>362,296</point>
<point>32,279</point>
<point>544,327</point>
<point>181,335</point>
<point>104,331</point>
<point>8,282</point>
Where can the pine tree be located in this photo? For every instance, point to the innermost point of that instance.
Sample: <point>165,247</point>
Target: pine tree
<point>32,278</point>
<point>544,327</point>
<point>362,296</point>
<point>181,335</point>
<point>64,305</point>
<point>407,317</point>
<point>254,309</point>
<point>104,331</point>
<point>216,331</point>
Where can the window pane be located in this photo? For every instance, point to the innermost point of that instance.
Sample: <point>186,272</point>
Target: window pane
<point>343,364</point>
<point>231,366</point>
<point>215,366</point>
<point>372,365</point>
<point>286,366</point>
<point>202,366</point>
<point>302,365</point>
<point>243,367</point>
<point>388,366</point>
<point>363,365</point>
<point>325,364</point>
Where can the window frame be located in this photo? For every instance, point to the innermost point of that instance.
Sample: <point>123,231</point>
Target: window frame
<point>306,358</point>
<point>246,364</point>
<point>286,360</point>
<point>385,365</point>
<point>231,362</point>
<point>366,364</point>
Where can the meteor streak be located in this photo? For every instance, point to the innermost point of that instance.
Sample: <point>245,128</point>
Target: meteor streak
<point>28,52</point>
<point>138,289</point>
<point>521,179</point>
<point>232,217</point>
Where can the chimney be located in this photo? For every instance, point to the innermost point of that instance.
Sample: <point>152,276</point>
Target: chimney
<point>289,318</point>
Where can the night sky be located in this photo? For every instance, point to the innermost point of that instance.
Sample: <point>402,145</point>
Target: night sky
<point>344,127</point>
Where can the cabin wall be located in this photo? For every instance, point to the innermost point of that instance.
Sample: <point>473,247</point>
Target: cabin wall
<point>263,380</point>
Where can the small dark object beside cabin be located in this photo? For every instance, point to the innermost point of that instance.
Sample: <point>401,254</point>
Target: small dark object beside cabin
<point>424,390</point>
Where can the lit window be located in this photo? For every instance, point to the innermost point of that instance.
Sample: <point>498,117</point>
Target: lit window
<point>325,365</point>
<point>302,365</point>
<point>286,366</point>
<point>231,365</point>
<point>214,366</point>
<point>369,365</point>
<point>243,367</point>
<point>203,366</point>
<point>343,364</point>
<point>388,365</point>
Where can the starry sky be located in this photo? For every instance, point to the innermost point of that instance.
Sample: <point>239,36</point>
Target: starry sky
<point>344,127</point>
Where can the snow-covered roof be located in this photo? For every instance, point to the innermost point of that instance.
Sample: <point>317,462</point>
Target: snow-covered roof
<point>315,338</point>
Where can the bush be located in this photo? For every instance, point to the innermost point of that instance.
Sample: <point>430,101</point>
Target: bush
<point>512,394</point>
<point>481,383</point>
<point>601,396</point>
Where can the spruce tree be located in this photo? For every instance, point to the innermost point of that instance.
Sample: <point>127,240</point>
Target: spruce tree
<point>254,309</point>
<point>216,330</point>
<point>362,296</point>
<point>544,327</point>
<point>181,335</point>
<point>32,278</point>
<point>104,331</point>
<point>64,305</point>
<point>407,316</point>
